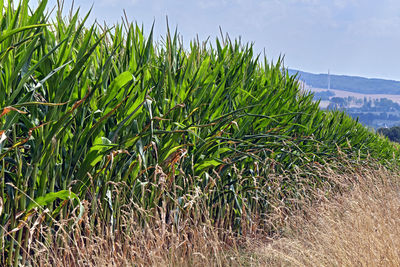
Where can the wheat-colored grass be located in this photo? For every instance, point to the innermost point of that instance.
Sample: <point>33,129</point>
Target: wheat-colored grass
<point>360,227</point>
<point>92,243</point>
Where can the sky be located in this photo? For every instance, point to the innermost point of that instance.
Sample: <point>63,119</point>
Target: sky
<point>349,37</point>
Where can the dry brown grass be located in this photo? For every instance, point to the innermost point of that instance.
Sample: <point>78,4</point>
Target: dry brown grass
<point>358,226</point>
<point>191,243</point>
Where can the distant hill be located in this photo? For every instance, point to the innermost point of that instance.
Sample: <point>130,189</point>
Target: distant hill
<point>350,83</point>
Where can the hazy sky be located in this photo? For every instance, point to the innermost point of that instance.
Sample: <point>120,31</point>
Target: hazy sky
<point>352,37</point>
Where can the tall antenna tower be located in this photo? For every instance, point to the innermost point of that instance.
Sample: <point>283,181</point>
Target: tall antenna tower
<point>329,80</point>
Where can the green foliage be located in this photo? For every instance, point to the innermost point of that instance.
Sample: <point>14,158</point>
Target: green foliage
<point>392,133</point>
<point>86,111</point>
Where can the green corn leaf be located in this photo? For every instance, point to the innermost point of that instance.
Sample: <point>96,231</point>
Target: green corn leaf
<point>51,197</point>
<point>8,33</point>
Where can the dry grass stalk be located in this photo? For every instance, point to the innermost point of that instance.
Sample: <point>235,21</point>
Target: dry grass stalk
<point>360,227</point>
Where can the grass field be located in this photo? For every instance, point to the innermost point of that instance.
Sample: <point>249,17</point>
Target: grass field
<point>357,225</point>
<point>105,133</point>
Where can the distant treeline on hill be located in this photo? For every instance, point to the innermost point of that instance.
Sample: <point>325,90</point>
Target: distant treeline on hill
<point>392,133</point>
<point>349,83</point>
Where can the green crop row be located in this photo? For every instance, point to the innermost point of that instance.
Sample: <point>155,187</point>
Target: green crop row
<point>85,110</point>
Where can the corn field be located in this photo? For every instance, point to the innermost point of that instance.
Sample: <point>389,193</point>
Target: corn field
<point>110,116</point>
